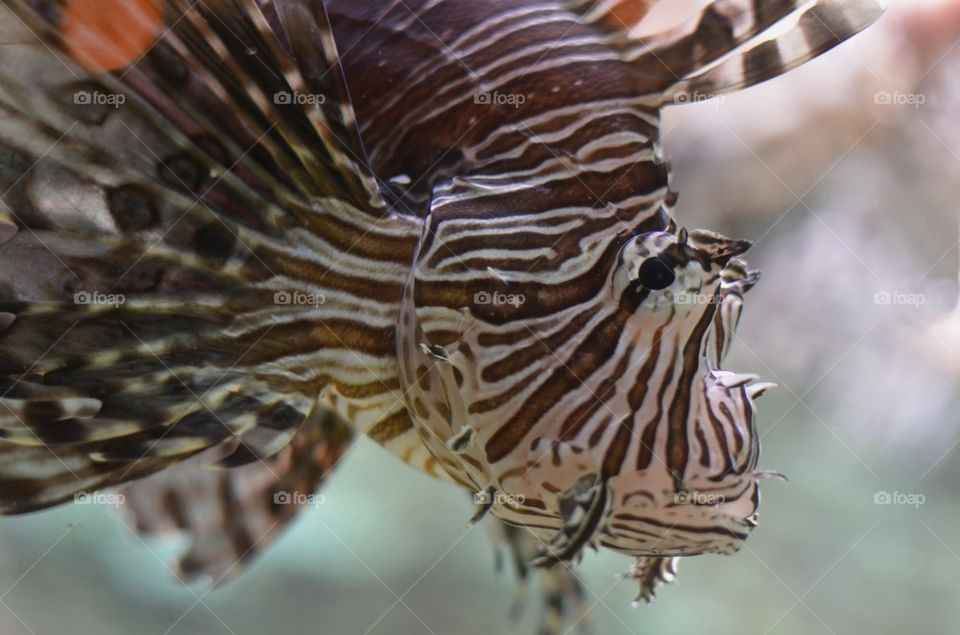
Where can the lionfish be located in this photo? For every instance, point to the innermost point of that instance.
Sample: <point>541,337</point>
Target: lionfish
<point>236,234</point>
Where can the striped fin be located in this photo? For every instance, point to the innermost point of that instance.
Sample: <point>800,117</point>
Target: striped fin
<point>726,32</point>
<point>229,516</point>
<point>266,84</point>
<point>37,477</point>
<point>715,31</point>
<point>150,214</point>
<point>817,28</point>
<point>564,604</point>
<point>650,572</point>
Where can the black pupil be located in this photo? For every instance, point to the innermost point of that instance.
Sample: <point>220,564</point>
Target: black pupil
<point>656,274</point>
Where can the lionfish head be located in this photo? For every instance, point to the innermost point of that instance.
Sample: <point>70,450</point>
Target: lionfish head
<point>675,273</point>
<point>700,490</point>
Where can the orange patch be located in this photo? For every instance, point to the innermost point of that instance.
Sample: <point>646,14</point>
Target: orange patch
<point>627,13</point>
<point>104,35</point>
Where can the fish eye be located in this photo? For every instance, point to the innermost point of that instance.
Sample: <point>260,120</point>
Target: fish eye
<point>656,273</point>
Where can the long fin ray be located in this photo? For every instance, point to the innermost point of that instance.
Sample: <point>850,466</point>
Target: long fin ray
<point>820,27</point>
<point>229,516</point>
<point>150,215</point>
<point>721,48</point>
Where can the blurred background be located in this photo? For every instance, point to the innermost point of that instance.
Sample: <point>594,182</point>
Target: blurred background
<point>845,174</point>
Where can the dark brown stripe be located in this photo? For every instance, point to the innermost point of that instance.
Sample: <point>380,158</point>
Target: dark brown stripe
<point>763,60</point>
<point>617,451</point>
<point>714,529</point>
<point>648,438</point>
<point>720,432</point>
<point>678,446</point>
<point>391,427</point>
<point>574,423</point>
<point>595,350</point>
<point>519,360</point>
